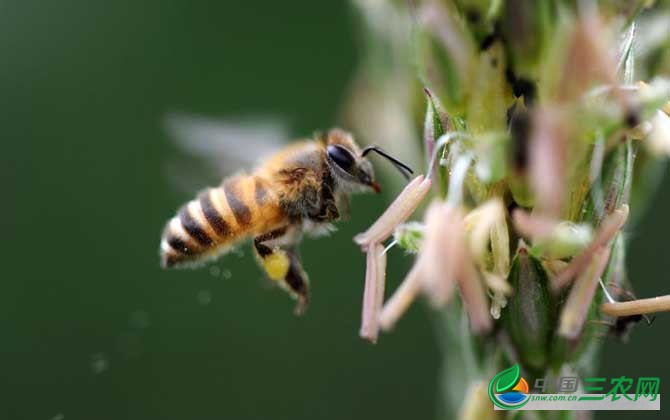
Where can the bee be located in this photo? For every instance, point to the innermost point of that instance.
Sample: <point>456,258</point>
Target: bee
<point>302,188</point>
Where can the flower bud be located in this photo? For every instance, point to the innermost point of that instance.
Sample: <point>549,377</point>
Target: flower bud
<point>531,313</point>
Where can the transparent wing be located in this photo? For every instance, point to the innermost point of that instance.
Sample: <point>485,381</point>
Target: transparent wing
<point>211,149</point>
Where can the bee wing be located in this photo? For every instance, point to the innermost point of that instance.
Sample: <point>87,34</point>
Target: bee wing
<point>212,149</point>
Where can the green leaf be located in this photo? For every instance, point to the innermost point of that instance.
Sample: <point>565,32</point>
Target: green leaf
<point>444,51</point>
<point>436,125</point>
<point>508,378</point>
<point>612,187</point>
<point>437,120</point>
<point>490,94</point>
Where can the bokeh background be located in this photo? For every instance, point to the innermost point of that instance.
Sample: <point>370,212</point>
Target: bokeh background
<point>92,328</point>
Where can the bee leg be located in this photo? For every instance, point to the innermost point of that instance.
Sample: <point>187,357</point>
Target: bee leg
<point>282,265</point>
<point>343,203</point>
<point>298,283</point>
<point>328,211</point>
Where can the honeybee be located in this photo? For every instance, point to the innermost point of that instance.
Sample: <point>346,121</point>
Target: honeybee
<point>300,189</point>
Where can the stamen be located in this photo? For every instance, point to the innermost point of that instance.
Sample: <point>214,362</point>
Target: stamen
<point>373,295</point>
<point>480,223</point>
<point>498,302</point>
<point>445,261</point>
<point>474,297</point>
<point>637,307</point>
<point>577,305</point>
<point>497,284</point>
<point>399,211</point>
<point>441,253</point>
<point>401,300</point>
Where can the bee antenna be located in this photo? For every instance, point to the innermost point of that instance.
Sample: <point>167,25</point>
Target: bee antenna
<point>405,170</point>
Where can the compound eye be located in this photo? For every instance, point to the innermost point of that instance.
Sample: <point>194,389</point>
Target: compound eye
<point>341,157</point>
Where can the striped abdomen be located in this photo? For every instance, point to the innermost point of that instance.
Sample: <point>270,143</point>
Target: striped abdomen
<point>218,217</point>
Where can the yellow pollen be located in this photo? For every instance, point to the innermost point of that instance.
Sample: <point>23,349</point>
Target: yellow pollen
<point>276,265</point>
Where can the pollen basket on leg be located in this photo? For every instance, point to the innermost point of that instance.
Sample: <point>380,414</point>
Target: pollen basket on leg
<point>276,264</point>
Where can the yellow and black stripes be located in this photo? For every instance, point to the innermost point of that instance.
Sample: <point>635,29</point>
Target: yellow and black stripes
<point>213,215</point>
<point>234,196</point>
<point>217,217</point>
<point>192,226</point>
<point>261,192</point>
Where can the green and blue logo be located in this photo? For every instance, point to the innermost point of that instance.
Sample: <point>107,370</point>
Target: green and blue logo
<point>508,390</point>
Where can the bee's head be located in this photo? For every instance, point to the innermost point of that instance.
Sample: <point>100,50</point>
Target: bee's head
<point>349,166</point>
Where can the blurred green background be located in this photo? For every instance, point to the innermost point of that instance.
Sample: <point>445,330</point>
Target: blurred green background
<point>92,328</point>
